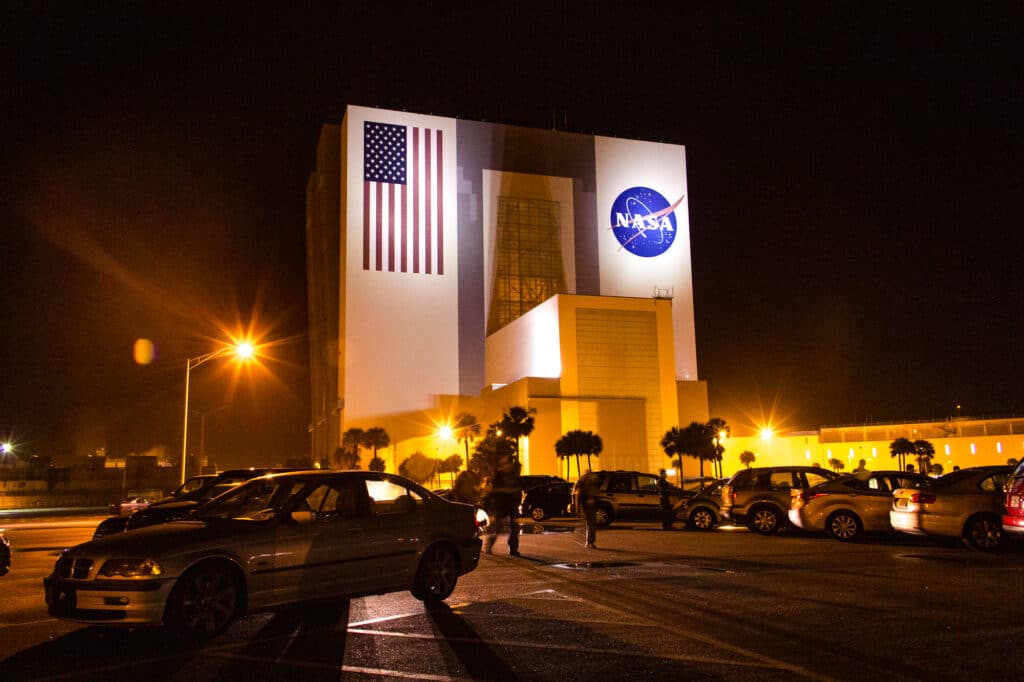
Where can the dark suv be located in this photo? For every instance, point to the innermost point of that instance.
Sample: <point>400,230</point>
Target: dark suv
<point>628,494</point>
<point>760,497</point>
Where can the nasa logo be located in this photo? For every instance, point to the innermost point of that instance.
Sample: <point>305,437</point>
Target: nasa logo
<point>644,222</point>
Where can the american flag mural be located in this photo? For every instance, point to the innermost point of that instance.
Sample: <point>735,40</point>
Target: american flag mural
<point>403,206</point>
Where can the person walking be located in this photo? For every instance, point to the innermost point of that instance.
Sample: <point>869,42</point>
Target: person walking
<point>665,502</point>
<point>588,487</point>
<point>502,505</point>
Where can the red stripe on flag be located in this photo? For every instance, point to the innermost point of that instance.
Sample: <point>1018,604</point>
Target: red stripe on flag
<point>366,226</point>
<point>415,200</point>
<point>440,207</point>
<point>404,238</point>
<point>391,227</point>
<point>379,225</point>
<point>428,254</point>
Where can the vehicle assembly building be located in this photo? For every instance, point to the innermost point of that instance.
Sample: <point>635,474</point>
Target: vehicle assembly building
<point>461,266</point>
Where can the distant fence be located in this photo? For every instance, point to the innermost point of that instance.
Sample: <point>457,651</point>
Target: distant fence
<point>98,491</point>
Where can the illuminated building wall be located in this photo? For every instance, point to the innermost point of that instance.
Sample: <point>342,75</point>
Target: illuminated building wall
<point>428,235</point>
<point>962,442</point>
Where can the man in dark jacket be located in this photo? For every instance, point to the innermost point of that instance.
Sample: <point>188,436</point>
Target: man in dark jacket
<point>502,504</point>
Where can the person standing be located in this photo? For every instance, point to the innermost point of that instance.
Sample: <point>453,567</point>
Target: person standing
<point>665,502</point>
<point>502,504</point>
<point>588,487</point>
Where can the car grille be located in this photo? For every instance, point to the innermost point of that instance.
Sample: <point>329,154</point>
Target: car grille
<point>72,567</point>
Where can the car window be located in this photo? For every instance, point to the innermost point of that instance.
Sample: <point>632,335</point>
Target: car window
<point>259,501</point>
<point>388,497</point>
<point>619,484</point>
<point>814,478</point>
<point>781,480</point>
<point>993,483</point>
<point>910,482</point>
<point>647,484</point>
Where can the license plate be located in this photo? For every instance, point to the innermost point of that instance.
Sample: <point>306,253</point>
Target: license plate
<point>1015,501</point>
<point>61,600</point>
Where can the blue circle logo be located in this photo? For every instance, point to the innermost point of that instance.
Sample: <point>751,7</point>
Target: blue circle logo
<point>644,222</point>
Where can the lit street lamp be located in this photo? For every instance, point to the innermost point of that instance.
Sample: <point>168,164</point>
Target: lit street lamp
<point>243,351</point>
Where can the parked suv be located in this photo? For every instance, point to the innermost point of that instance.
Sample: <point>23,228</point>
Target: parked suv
<point>628,494</point>
<point>760,497</point>
<point>1013,518</point>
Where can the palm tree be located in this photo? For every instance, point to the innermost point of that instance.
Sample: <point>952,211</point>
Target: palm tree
<point>466,428</point>
<point>562,451</point>
<point>720,432</point>
<point>576,443</point>
<point>747,458</point>
<point>924,451</point>
<point>376,464</point>
<point>836,464</point>
<point>901,447</point>
<point>375,438</point>
<point>517,422</point>
<point>348,454</point>
<point>491,449</point>
<point>694,441</point>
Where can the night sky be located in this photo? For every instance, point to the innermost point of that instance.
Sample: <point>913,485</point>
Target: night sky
<point>854,179</point>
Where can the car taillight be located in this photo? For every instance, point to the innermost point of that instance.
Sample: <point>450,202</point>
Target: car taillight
<point>806,496</point>
<point>922,498</point>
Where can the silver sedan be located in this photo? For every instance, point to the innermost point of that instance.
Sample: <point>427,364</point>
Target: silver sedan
<point>276,540</point>
<point>964,504</point>
<point>850,506</point>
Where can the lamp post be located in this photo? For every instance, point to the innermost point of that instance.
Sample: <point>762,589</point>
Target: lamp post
<point>242,350</point>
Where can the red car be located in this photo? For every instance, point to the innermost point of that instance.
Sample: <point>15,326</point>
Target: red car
<point>1013,519</point>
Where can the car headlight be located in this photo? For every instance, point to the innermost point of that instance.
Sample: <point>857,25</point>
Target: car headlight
<point>130,568</point>
<point>482,519</point>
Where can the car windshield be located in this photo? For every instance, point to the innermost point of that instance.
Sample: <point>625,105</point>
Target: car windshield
<point>258,500</point>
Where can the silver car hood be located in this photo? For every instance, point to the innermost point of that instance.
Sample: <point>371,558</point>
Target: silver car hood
<point>169,538</point>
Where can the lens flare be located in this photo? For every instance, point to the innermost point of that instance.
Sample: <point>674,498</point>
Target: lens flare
<point>143,351</point>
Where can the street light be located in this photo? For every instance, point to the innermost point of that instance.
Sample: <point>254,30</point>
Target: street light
<point>244,351</point>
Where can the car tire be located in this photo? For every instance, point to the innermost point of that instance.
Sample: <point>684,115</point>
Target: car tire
<point>605,516</point>
<point>702,519</point>
<point>843,526</point>
<point>203,602</point>
<point>984,533</point>
<point>437,575</point>
<point>763,520</point>
<point>538,514</point>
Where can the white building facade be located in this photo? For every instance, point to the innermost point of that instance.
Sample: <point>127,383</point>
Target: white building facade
<point>428,235</point>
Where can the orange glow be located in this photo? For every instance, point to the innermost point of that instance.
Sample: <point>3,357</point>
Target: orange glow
<point>143,352</point>
<point>245,350</point>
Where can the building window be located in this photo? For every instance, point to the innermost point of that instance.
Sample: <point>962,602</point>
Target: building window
<point>528,258</point>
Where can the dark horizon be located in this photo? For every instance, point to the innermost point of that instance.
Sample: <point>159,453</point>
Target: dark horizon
<point>854,179</point>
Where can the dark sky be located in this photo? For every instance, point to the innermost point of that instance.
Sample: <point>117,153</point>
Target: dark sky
<point>854,179</point>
